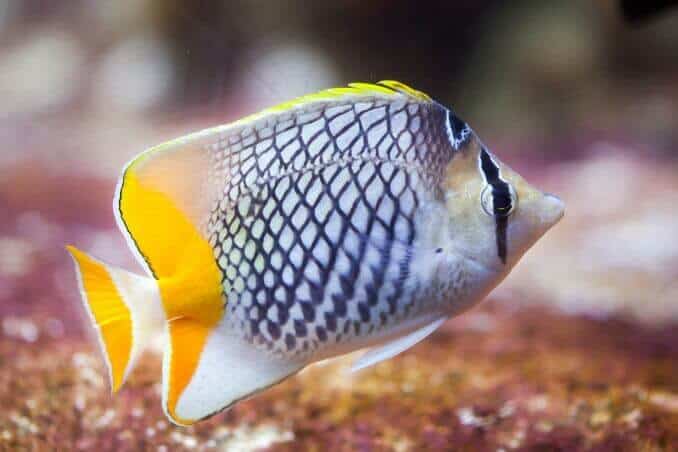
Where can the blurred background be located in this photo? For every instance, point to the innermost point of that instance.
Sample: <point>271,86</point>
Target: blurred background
<point>580,101</point>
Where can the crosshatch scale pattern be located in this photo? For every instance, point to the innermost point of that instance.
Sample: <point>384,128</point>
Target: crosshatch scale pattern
<point>315,226</point>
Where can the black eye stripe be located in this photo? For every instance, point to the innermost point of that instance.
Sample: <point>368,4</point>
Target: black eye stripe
<point>501,193</point>
<point>502,202</point>
<point>490,170</point>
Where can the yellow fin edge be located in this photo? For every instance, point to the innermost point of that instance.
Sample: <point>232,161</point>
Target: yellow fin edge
<point>188,278</point>
<point>187,340</point>
<point>384,87</point>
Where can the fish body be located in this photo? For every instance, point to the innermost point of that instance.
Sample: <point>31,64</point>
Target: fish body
<point>355,217</point>
<point>327,203</point>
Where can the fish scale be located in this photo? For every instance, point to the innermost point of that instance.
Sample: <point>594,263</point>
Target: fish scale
<point>319,200</point>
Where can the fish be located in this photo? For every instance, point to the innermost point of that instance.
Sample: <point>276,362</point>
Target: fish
<point>359,217</point>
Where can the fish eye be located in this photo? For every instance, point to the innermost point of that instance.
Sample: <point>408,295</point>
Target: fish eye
<point>499,202</point>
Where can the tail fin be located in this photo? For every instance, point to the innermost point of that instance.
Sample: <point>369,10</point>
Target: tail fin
<point>125,309</point>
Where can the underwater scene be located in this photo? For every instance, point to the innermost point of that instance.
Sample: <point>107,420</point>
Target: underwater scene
<point>373,226</point>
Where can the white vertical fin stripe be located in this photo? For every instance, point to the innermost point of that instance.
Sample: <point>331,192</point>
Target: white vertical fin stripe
<point>457,137</point>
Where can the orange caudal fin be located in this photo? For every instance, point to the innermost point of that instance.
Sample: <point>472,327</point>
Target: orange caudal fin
<point>125,310</point>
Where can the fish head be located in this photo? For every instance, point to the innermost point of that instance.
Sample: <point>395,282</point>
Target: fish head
<point>493,215</point>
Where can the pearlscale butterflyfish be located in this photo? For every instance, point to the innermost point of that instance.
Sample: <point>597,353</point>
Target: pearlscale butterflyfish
<point>355,218</point>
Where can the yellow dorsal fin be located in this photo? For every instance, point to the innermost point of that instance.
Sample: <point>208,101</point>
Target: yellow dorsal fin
<point>384,88</point>
<point>409,91</point>
<point>162,205</point>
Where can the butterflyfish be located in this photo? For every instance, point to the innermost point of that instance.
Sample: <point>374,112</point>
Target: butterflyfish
<point>355,218</point>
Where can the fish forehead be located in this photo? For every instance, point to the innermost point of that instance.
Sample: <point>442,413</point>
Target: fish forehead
<point>315,230</point>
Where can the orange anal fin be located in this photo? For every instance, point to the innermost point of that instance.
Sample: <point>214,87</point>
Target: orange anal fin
<point>208,369</point>
<point>187,340</point>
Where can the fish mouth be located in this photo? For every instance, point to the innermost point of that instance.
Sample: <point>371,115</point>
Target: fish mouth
<point>552,209</point>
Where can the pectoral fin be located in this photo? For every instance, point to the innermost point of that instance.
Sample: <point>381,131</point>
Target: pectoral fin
<point>399,345</point>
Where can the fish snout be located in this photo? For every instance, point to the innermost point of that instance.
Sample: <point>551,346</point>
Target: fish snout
<point>552,209</point>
